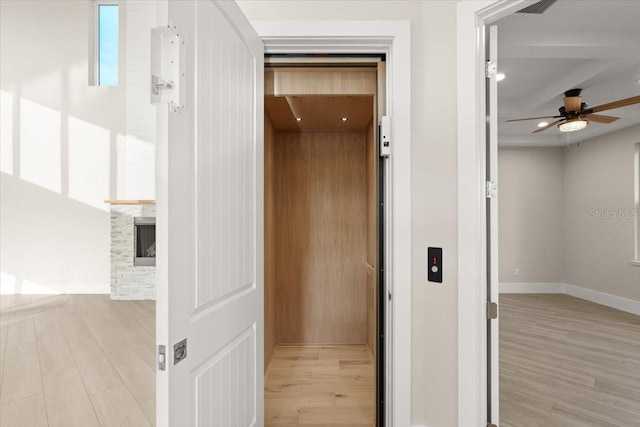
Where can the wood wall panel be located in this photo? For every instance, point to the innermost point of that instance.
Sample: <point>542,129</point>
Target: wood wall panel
<point>371,261</point>
<point>282,81</point>
<point>321,238</point>
<point>269,243</point>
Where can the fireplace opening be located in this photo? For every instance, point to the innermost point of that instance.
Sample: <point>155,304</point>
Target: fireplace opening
<point>144,241</point>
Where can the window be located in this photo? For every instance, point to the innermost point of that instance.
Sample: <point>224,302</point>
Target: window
<point>636,212</point>
<point>106,44</point>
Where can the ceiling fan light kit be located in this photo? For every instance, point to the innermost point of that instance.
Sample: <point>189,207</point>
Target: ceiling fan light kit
<point>575,115</point>
<point>573,125</point>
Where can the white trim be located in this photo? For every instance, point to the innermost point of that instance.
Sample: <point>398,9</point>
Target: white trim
<point>602,298</point>
<point>613,301</point>
<point>531,288</point>
<point>392,38</point>
<point>472,15</point>
<point>29,288</point>
<point>636,184</point>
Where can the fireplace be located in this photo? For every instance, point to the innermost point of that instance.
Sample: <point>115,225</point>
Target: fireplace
<point>144,241</point>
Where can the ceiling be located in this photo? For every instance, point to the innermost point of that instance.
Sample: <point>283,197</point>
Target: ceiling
<point>593,45</point>
<point>320,112</point>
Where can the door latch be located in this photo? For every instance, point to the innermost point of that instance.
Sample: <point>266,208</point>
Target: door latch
<point>385,136</point>
<point>179,351</point>
<point>168,57</point>
<point>162,357</point>
<point>157,84</point>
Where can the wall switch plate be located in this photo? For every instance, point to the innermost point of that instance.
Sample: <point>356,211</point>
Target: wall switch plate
<point>517,272</point>
<point>434,265</point>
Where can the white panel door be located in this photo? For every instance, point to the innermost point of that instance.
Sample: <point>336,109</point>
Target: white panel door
<point>210,221</point>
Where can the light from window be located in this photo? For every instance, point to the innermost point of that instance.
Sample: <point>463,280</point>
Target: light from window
<point>107,45</point>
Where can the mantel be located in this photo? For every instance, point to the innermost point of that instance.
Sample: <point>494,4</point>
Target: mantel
<point>130,202</point>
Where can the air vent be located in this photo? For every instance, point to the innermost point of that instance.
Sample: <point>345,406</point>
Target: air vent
<point>538,8</point>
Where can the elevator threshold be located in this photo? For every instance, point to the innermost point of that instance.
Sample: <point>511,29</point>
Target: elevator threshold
<point>320,385</point>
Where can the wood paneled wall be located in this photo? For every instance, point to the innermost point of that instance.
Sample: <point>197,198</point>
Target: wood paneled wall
<point>282,81</point>
<point>371,261</point>
<point>269,243</point>
<point>320,237</point>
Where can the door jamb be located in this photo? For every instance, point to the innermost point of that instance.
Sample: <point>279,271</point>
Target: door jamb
<point>393,39</point>
<point>472,17</point>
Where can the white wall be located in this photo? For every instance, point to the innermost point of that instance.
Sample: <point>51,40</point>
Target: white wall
<point>434,178</point>
<point>531,214</point>
<point>567,215</point>
<point>65,149</point>
<point>599,216</point>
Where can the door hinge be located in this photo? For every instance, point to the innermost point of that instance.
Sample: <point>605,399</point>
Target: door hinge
<point>179,351</point>
<point>162,357</point>
<point>168,58</point>
<point>492,310</point>
<point>490,69</point>
<point>385,136</point>
<point>492,189</point>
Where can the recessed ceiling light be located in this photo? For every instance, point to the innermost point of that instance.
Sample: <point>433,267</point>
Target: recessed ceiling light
<point>500,77</point>
<point>344,119</point>
<point>298,119</point>
<point>542,124</point>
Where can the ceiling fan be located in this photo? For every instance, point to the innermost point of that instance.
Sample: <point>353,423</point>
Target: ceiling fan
<point>575,115</point>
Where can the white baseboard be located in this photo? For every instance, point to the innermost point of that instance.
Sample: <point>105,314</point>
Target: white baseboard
<point>531,288</point>
<point>53,289</point>
<point>602,298</point>
<point>614,301</point>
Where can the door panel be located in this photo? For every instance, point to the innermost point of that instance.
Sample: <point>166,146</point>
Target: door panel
<point>210,193</point>
<point>493,364</point>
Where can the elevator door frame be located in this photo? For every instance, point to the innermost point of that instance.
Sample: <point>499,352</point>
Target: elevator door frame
<point>391,38</point>
<point>377,62</point>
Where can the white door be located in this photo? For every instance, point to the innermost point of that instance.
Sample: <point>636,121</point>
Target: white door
<point>210,222</point>
<point>493,365</point>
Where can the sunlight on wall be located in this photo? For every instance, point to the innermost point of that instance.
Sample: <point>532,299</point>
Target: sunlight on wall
<point>140,179</point>
<point>6,132</point>
<point>88,163</point>
<point>40,145</point>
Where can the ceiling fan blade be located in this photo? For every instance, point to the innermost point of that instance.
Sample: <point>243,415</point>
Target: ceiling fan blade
<point>614,104</point>
<point>599,118</point>
<point>550,125</point>
<point>572,103</point>
<point>534,118</point>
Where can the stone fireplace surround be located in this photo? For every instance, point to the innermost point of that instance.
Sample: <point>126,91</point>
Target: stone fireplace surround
<point>128,281</point>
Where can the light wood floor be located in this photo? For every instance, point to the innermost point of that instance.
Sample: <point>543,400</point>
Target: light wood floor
<point>567,362</point>
<point>76,360</point>
<point>320,386</point>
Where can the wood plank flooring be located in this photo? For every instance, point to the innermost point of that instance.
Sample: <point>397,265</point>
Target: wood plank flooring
<point>320,386</point>
<point>76,360</point>
<point>567,362</point>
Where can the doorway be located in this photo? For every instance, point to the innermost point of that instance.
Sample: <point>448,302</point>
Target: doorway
<point>234,319</point>
<point>323,341</point>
